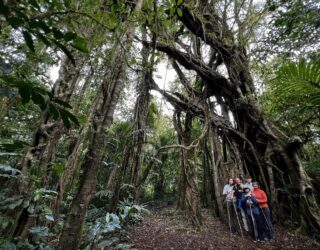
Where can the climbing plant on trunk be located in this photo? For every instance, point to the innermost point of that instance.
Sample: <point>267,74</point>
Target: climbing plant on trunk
<point>111,88</point>
<point>264,149</point>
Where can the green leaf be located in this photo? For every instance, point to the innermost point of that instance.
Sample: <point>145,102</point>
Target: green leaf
<point>57,4</point>
<point>31,209</point>
<point>179,11</point>
<point>15,22</point>
<point>25,94</point>
<point>40,24</point>
<point>8,245</point>
<point>49,217</point>
<point>15,204</point>
<point>15,146</point>
<point>9,170</point>
<point>69,36</point>
<point>29,41</point>
<point>73,119</point>
<point>179,2</point>
<point>41,231</point>
<point>62,103</point>
<point>80,44</point>
<point>34,4</point>
<point>65,118</point>
<point>58,168</point>
<point>67,3</point>
<point>39,100</point>
<point>43,38</point>
<point>53,111</point>
<point>172,11</point>
<point>65,50</point>
<point>57,33</point>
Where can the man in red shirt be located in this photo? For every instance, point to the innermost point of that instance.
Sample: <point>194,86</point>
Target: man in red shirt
<point>265,212</point>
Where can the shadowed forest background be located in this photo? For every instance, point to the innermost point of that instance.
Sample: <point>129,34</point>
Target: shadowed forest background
<point>114,111</point>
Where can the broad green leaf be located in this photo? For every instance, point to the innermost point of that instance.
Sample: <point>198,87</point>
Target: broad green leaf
<point>58,168</point>
<point>39,100</point>
<point>69,36</point>
<point>65,118</point>
<point>73,119</point>
<point>7,245</point>
<point>15,22</point>
<point>25,94</point>
<point>34,4</point>
<point>65,50</point>
<point>65,114</point>
<point>53,111</point>
<point>67,3</point>
<point>81,44</point>
<point>62,103</point>
<point>16,145</point>
<point>57,33</point>
<point>49,217</point>
<point>29,41</point>
<point>179,11</point>
<point>43,38</point>
<point>36,24</point>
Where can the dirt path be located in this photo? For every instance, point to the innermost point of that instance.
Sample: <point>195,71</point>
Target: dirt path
<point>167,230</point>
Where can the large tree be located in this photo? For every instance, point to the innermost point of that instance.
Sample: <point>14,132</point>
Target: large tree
<point>267,153</point>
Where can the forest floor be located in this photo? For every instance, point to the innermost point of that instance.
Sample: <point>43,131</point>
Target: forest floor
<point>165,229</point>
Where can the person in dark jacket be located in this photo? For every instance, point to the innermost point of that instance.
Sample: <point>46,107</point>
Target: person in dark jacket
<point>251,207</point>
<point>237,194</point>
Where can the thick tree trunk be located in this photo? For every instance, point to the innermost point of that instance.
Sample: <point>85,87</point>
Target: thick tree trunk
<point>208,183</point>
<point>70,168</point>
<point>181,205</point>
<point>188,198</point>
<point>75,144</point>
<point>216,161</point>
<point>50,131</point>
<point>40,154</point>
<point>140,120</point>
<point>102,117</point>
<point>253,134</point>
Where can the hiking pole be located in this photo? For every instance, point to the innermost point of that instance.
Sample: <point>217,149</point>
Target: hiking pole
<point>229,217</point>
<point>235,210</point>
<point>253,221</point>
<point>267,222</point>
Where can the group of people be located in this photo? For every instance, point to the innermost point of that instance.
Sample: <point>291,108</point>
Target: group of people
<point>248,209</point>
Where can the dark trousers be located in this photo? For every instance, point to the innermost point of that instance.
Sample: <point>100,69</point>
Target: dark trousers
<point>267,227</point>
<point>255,223</point>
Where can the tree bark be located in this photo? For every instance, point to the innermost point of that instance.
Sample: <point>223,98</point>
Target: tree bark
<point>188,199</point>
<point>253,133</point>
<point>208,183</point>
<point>140,120</point>
<point>102,117</point>
<point>42,149</point>
<point>216,161</point>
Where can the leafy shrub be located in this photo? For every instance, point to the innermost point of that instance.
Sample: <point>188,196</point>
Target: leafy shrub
<point>101,231</point>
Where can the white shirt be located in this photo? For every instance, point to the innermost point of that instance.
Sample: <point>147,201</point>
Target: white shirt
<point>227,191</point>
<point>249,185</point>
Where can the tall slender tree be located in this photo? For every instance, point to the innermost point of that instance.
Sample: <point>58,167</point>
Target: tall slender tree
<point>111,88</point>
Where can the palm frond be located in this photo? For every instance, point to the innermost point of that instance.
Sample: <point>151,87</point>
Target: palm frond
<point>299,83</point>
